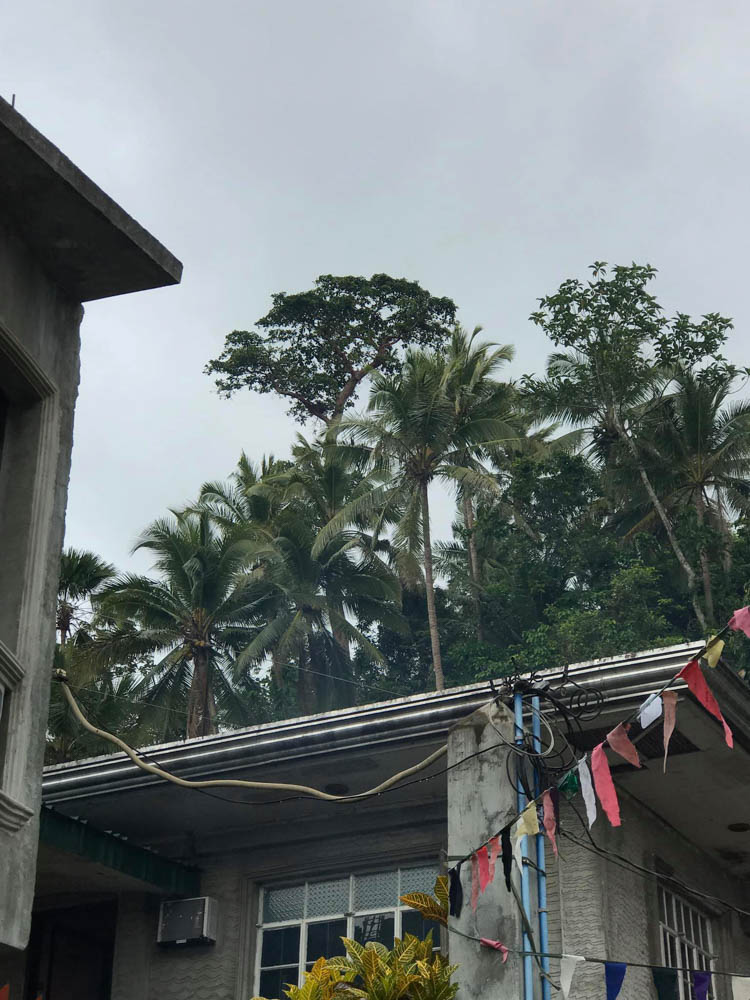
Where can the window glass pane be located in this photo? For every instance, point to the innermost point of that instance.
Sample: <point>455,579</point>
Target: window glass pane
<point>324,939</point>
<point>375,927</point>
<point>414,923</point>
<point>420,879</point>
<point>372,891</point>
<point>284,904</point>
<point>273,982</point>
<point>328,897</point>
<point>280,947</point>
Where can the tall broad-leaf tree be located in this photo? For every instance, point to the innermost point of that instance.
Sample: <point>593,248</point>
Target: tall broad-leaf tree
<point>194,617</point>
<point>315,348</point>
<point>619,350</point>
<point>413,435</point>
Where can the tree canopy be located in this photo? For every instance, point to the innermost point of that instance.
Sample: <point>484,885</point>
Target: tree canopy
<point>315,348</point>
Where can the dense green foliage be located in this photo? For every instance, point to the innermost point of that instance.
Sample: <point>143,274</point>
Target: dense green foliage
<point>601,508</point>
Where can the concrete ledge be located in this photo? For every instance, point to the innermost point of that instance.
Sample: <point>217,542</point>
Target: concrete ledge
<point>87,244</point>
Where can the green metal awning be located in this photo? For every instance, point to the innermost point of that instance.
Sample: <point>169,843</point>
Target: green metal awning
<point>76,837</point>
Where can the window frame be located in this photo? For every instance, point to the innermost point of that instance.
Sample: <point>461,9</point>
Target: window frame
<point>351,915</point>
<point>686,946</point>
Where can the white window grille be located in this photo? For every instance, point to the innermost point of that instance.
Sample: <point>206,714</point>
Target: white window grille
<point>301,923</point>
<point>686,940</point>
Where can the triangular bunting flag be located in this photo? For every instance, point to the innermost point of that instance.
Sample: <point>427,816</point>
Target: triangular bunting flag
<point>693,677</point>
<point>528,822</point>
<point>740,988</point>
<point>605,787</point>
<point>494,851</point>
<point>474,883</point>
<point>483,864</point>
<point>568,966</point>
<point>740,621</point>
<point>670,717</point>
<point>649,711</point>
<point>614,973</point>
<point>587,790</point>
<point>5,992</point>
<point>620,743</point>
<point>507,855</point>
<point>455,892</point>
<point>714,649</point>
<point>701,984</point>
<point>550,821</point>
<point>665,981</point>
<point>497,945</point>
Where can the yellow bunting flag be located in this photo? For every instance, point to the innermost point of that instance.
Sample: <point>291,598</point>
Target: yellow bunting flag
<point>714,651</point>
<point>528,822</point>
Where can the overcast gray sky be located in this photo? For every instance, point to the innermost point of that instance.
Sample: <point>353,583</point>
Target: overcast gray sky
<point>488,150</point>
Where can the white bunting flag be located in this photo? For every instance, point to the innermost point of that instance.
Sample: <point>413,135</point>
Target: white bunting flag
<point>740,988</point>
<point>568,964</point>
<point>650,710</point>
<point>587,790</point>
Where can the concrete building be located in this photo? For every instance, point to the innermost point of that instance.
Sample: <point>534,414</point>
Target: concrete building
<point>290,875</point>
<point>62,242</point>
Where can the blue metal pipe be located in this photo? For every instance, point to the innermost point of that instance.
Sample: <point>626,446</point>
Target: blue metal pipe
<point>541,864</point>
<point>521,803</point>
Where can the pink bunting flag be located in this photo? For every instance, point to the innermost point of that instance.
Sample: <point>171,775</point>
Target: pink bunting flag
<point>605,787</point>
<point>474,883</point>
<point>618,740</point>
<point>693,677</point>
<point>550,820</point>
<point>497,945</point>
<point>483,864</point>
<point>494,851</point>
<point>740,621</point>
<point>669,698</point>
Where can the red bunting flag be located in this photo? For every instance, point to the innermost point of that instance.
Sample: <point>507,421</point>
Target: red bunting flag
<point>693,677</point>
<point>5,992</point>
<point>669,699</point>
<point>550,820</point>
<point>740,621</point>
<point>619,742</point>
<point>489,943</point>
<point>474,882</point>
<point>494,846</point>
<point>605,787</point>
<point>483,864</point>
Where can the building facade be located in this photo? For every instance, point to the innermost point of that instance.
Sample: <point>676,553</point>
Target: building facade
<point>289,876</point>
<point>62,242</point>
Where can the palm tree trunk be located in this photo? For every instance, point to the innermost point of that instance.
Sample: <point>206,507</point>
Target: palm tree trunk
<point>199,721</point>
<point>437,662</point>
<point>473,559</point>
<point>305,692</point>
<point>705,567</point>
<point>664,518</point>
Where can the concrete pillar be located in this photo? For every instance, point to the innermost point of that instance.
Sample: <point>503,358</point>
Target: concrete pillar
<point>481,800</point>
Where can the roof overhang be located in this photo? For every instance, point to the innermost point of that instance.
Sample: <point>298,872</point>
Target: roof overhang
<point>86,243</point>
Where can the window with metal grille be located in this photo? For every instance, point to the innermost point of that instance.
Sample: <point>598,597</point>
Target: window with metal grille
<point>302,923</point>
<point>686,941</point>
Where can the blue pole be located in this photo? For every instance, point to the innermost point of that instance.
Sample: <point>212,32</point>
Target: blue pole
<point>521,803</point>
<point>541,865</point>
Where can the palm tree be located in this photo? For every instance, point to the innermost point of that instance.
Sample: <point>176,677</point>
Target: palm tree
<point>476,396</point>
<point>697,452</point>
<point>81,575</point>
<point>315,598</point>
<point>205,606</point>
<point>413,435</point>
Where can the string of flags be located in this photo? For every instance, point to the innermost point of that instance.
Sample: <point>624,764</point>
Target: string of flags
<point>666,978</point>
<point>595,779</point>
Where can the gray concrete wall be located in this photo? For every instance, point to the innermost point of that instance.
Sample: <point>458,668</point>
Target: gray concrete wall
<point>39,338</point>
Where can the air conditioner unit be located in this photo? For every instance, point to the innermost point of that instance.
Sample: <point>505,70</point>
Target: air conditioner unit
<point>187,921</point>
